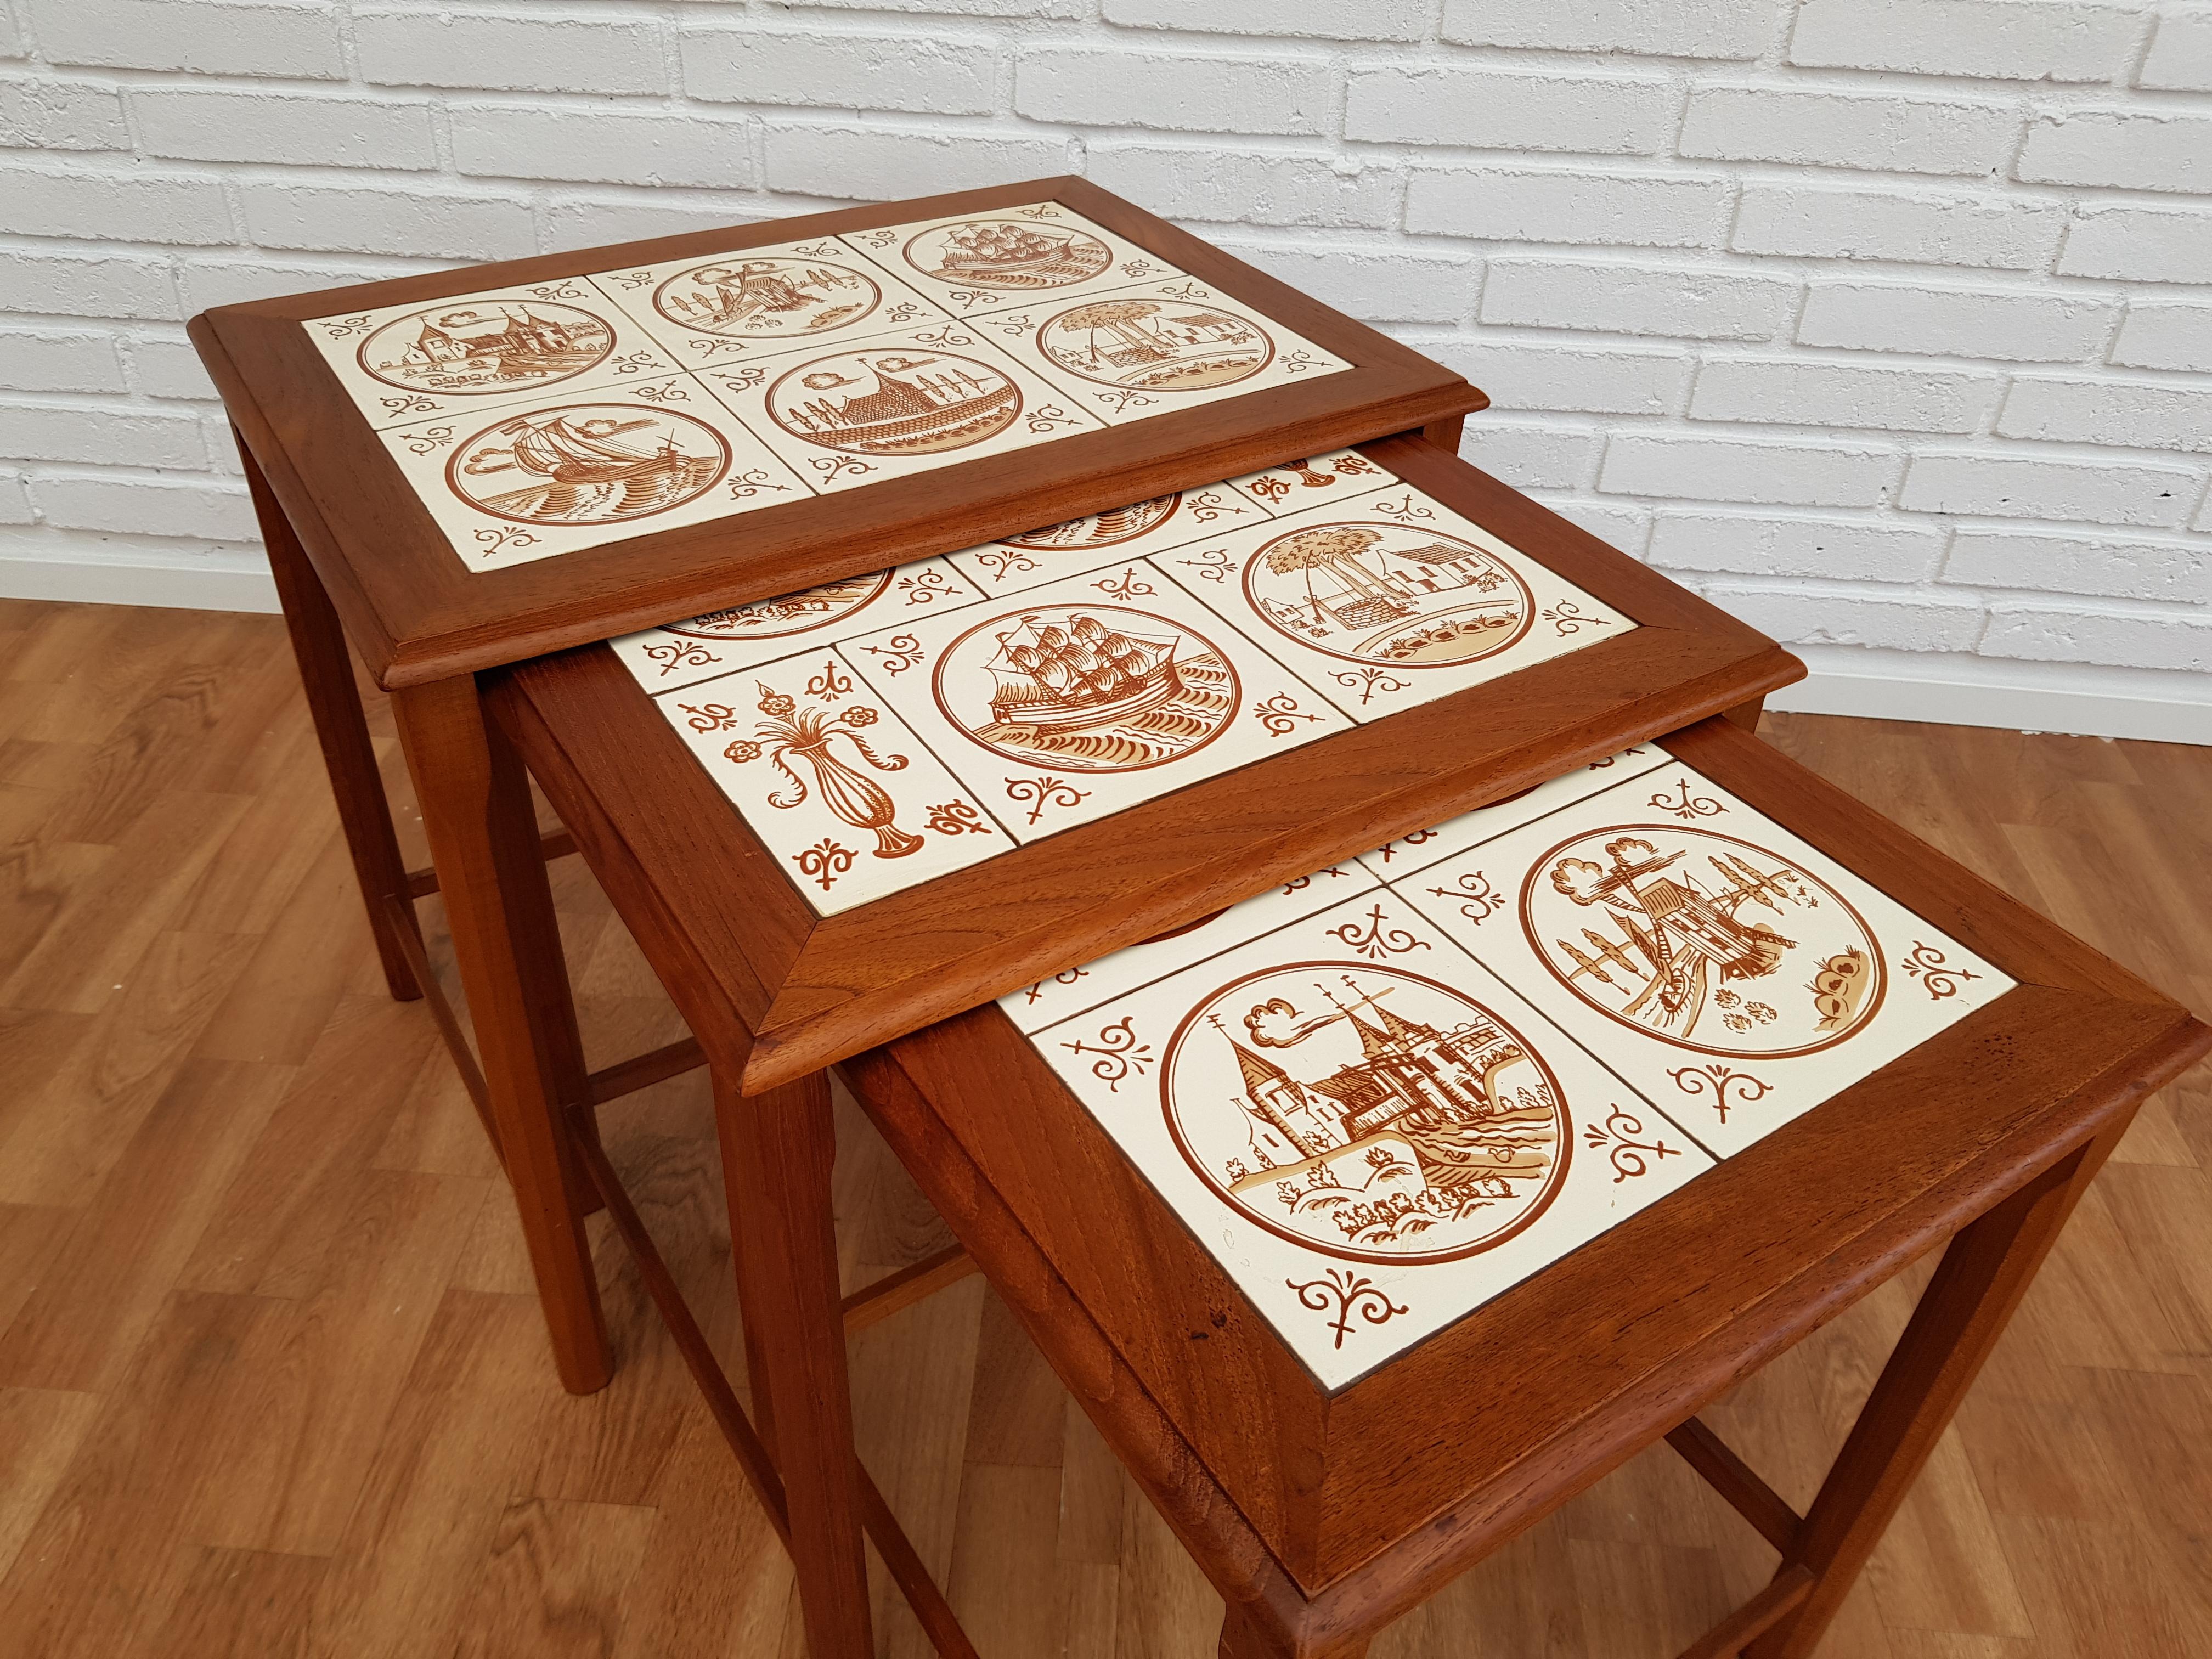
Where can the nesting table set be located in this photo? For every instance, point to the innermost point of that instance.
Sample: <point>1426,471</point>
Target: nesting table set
<point>1313,921</point>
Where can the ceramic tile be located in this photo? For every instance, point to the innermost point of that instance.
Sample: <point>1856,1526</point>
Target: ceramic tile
<point>530,480</point>
<point>723,642</point>
<point>844,414</point>
<point>404,364</point>
<point>1089,695</point>
<point>833,782</point>
<point>1041,252</point>
<point>1316,480</point>
<point>1409,855</point>
<point>1369,1131</point>
<point>1714,961</point>
<point>1143,528</point>
<point>757,301</point>
<point>1389,599</point>
<point>1155,348</point>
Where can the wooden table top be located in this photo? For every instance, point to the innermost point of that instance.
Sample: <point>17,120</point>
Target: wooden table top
<point>870,806</point>
<point>490,464</point>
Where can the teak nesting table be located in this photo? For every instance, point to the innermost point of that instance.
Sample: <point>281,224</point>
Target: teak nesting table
<point>1019,598</point>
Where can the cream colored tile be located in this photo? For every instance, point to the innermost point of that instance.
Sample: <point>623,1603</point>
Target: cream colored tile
<point>897,404</point>
<point>1409,855</point>
<point>1391,599</point>
<point>1292,487</point>
<point>836,785</point>
<point>1714,961</point>
<point>1142,528</point>
<point>1367,1131</point>
<point>1018,256</point>
<point>531,480</point>
<point>1090,696</point>
<point>405,364</point>
<point>723,642</point>
<point>1155,348</point>
<point>757,301</point>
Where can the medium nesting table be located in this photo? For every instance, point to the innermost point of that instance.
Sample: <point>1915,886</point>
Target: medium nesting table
<point>465,470</point>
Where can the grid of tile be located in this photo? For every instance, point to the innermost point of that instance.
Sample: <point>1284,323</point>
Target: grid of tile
<point>539,420</point>
<point>1384,1093</point>
<point>879,731</point>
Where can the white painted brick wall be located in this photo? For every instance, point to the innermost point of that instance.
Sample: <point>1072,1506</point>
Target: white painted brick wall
<point>1885,322</point>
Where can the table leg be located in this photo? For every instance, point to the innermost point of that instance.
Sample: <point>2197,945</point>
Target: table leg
<point>477,812</point>
<point>777,1151</point>
<point>1445,434</point>
<point>1985,1271</point>
<point>318,645</point>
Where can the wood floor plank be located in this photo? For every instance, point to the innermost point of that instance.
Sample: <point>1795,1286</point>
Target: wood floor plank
<point>40,1430</point>
<point>242,1604</point>
<point>552,1586</point>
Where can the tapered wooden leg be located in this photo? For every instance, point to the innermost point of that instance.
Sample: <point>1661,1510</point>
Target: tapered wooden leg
<point>1245,1637</point>
<point>777,1150</point>
<point>1985,1271</point>
<point>318,645</point>
<point>1445,434</point>
<point>476,811</point>
<point>1747,714</point>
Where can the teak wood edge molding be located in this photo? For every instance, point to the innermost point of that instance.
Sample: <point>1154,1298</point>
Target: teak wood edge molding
<point>418,615</point>
<point>811,990</point>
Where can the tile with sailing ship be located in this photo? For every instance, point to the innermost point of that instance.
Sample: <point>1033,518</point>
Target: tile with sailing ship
<point>1719,963</point>
<point>836,785</point>
<point>722,641</point>
<point>846,414</point>
<point>1392,600</point>
<point>1038,556</point>
<point>1089,695</point>
<point>529,480</point>
<point>1155,348</point>
<point>758,302</point>
<point>1410,856</point>
<point>1314,480</point>
<point>404,364</point>
<point>1367,1131</point>
<point>1037,253</point>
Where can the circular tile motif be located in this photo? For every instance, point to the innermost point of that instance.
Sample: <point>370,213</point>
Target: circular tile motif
<point>474,347</point>
<point>1388,593</point>
<point>1366,1112</point>
<point>900,402</point>
<point>1008,254</point>
<point>1086,688</point>
<point>1107,529</point>
<point>1156,345</point>
<point>1703,941</point>
<point>587,464</point>
<point>790,613</point>
<point>767,299</point>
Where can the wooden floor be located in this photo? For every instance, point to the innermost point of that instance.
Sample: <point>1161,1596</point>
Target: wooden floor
<point>272,1382</point>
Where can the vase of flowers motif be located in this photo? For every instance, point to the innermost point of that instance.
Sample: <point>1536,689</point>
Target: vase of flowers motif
<point>854,797</point>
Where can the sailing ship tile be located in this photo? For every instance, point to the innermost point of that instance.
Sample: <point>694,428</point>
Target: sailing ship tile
<point>723,642</point>
<point>402,365</point>
<point>1370,1131</point>
<point>840,790</point>
<point>1138,529</point>
<point>1039,253</point>
<point>896,405</point>
<point>1719,963</point>
<point>1157,348</point>
<point>758,302</point>
<point>1292,487</point>
<point>560,472</point>
<point>1411,856</point>
<point>1089,695</point>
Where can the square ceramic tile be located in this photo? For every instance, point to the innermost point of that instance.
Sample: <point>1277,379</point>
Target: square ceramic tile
<point>1370,1134</point>
<point>723,642</point>
<point>1409,855</point>
<point>1142,528</point>
<point>1041,252</point>
<point>1077,700</point>
<point>894,405</point>
<point>1155,348</point>
<point>530,480</point>
<point>403,364</point>
<point>761,300</point>
<point>1389,599</point>
<point>834,784</point>
<point>1718,963</point>
<point>1319,480</point>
